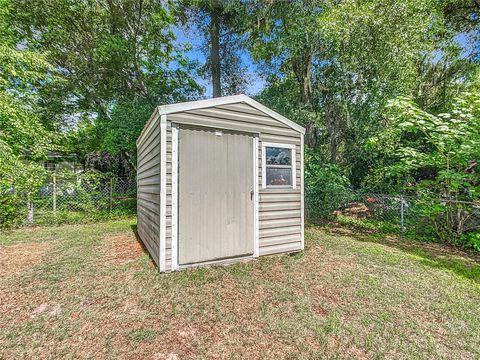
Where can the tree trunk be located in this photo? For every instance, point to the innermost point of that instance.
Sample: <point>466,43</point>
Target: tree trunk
<point>302,67</point>
<point>333,128</point>
<point>215,53</point>
<point>333,148</point>
<point>128,158</point>
<point>311,135</point>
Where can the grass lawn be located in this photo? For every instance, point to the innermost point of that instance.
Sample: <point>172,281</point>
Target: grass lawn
<point>91,291</point>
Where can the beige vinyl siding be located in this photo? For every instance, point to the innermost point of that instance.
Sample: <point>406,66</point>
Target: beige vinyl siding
<point>148,187</point>
<point>279,209</point>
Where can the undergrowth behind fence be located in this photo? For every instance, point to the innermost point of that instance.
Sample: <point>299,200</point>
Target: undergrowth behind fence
<point>432,219</point>
<point>74,198</point>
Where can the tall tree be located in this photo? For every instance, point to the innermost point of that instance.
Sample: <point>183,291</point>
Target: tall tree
<point>218,22</point>
<point>284,38</point>
<point>373,48</point>
<point>215,13</point>
<point>24,141</point>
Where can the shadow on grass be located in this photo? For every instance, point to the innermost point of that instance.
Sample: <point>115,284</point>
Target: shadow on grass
<point>142,245</point>
<point>465,264</point>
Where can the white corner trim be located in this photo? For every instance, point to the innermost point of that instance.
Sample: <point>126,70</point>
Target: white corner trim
<point>302,192</point>
<point>256,242</point>
<point>174,197</point>
<point>163,192</point>
<point>191,105</point>
<point>294,167</point>
<point>266,144</point>
<point>264,168</point>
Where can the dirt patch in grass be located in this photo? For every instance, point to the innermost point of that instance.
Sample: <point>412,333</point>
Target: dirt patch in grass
<point>358,210</point>
<point>121,249</point>
<point>16,258</point>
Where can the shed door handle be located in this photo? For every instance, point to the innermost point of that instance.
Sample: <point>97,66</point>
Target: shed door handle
<point>251,195</point>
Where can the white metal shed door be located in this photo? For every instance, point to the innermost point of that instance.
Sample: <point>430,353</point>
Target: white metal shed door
<point>215,195</point>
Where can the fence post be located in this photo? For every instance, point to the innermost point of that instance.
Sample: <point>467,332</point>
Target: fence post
<point>30,218</point>
<point>54,194</point>
<point>111,194</point>
<point>402,210</point>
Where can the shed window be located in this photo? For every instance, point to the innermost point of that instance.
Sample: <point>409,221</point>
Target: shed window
<point>278,165</point>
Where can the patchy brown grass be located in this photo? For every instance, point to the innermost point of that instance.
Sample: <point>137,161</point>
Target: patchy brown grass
<point>121,249</point>
<point>19,257</point>
<point>96,294</point>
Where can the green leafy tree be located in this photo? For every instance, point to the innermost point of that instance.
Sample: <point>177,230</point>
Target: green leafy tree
<point>435,157</point>
<point>333,66</point>
<point>23,139</point>
<point>326,188</point>
<point>463,16</point>
<point>111,53</point>
<point>284,38</point>
<point>434,152</point>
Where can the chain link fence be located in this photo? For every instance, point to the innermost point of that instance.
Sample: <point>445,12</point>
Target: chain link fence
<point>445,219</point>
<point>86,197</point>
<point>73,198</point>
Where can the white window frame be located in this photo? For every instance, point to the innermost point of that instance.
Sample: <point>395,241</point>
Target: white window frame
<point>264,165</point>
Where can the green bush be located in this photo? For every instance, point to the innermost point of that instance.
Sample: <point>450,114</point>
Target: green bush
<point>325,188</point>
<point>447,222</point>
<point>19,181</point>
<point>11,212</point>
<point>472,240</point>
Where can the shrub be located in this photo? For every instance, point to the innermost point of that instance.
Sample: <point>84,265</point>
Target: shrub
<point>19,181</point>
<point>471,240</point>
<point>325,187</point>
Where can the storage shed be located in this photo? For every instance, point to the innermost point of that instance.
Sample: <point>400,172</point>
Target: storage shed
<point>219,180</point>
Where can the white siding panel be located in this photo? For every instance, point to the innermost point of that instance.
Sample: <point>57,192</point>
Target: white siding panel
<point>280,214</point>
<point>239,117</point>
<point>278,223</point>
<point>148,185</point>
<point>148,163</point>
<point>201,120</point>
<point>151,180</point>
<point>279,231</point>
<point>267,207</point>
<point>267,196</point>
<point>281,239</point>
<point>279,248</point>
<point>149,172</point>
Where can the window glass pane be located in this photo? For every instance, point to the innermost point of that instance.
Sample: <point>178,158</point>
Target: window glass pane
<point>276,176</point>
<point>278,156</point>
